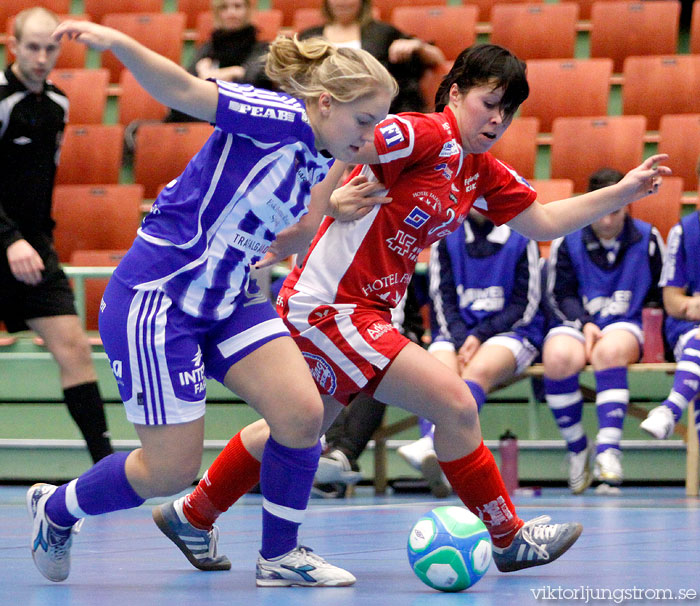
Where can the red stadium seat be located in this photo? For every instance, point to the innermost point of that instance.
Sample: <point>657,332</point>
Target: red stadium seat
<point>162,151</point>
<point>95,217</point>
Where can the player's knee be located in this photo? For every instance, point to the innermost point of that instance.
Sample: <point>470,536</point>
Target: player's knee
<point>299,424</point>
<point>458,409</point>
<point>610,355</point>
<point>74,352</point>
<point>559,363</point>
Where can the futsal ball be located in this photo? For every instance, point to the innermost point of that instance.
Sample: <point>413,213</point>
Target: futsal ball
<point>449,548</point>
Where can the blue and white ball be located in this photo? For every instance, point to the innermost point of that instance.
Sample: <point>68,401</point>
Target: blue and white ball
<point>449,548</point>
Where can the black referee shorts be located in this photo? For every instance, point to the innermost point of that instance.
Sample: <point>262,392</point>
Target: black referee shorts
<point>19,302</point>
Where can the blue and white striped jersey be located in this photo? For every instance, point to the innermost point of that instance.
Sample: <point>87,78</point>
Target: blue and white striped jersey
<point>251,179</point>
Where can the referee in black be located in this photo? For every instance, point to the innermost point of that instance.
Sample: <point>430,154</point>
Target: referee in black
<point>34,291</point>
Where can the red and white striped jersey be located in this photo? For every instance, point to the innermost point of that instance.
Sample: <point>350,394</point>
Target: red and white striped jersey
<point>433,184</point>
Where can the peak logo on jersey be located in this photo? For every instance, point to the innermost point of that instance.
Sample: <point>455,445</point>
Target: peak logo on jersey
<point>322,372</point>
<point>449,149</point>
<point>261,112</point>
<point>392,134</point>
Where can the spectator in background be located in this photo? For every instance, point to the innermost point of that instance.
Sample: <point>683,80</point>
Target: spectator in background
<point>232,53</point>
<point>485,289</point>
<point>681,294</point>
<point>598,280</point>
<point>350,23</point>
<point>34,291</point>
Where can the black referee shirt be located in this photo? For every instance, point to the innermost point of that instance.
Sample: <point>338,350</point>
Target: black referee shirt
<point>31,127</point>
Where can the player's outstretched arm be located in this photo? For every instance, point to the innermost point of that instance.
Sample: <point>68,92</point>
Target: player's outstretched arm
<point>162,78</point>
<point>556,219</point>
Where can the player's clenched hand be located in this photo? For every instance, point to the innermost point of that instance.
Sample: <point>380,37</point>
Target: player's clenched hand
<point>25,263</point>
<point>356,198</point>
<point>93,35</point>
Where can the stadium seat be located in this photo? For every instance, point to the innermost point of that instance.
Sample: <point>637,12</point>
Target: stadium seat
<point>622,29</point>
<point>580,146</point>
<point>193,9</point>
<point>87,93</point>
<point>585,7</point>
<point>98,9</point>
<point>163,150</point>
<point>95,217</point>
<point>386,7</point>
<point>268,24</point>
<point>161,32</point>
<point>679,137</point>
<point>289,6</point>
<point>536,31</point>
<point>661,84</point>
<point>572,87</point>
<point>695,30</point>
<point>430,82</point>
<point>663,209</point>
<point>95,287</point>
<point>550,190</point>
<point>91,154</point>
<point>486,6</point>
<point>438,25</point>
<point>135,103</point>
<point>518,146</point>
<point>305,18</point>
<point>9,8</point>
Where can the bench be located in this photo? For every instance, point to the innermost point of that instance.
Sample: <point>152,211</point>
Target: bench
<point>386,431</point>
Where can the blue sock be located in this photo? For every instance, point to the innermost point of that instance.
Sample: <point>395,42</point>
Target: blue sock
<point>566,403</point>
<point>612,398</point>
<point>101,489</point>
<point>686,380</point>
<point>286,477</point>
<point>477,392</point>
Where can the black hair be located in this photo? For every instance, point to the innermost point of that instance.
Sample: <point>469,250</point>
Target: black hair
<point>487,64</point>
<point>604,177</point>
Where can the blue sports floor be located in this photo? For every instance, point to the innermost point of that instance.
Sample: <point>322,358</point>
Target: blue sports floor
<point>642,547</point>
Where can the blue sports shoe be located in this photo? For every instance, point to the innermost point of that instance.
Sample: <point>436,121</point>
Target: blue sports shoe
<point>50,543</point>
<point>300,566</point>
<point>199,546</point>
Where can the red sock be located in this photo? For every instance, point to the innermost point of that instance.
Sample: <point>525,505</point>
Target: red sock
<point>233,473</point>
<point>477,481</point>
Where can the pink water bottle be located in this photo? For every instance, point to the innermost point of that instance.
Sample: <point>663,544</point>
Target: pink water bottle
<point>652,326</point>
<point>508,449</point>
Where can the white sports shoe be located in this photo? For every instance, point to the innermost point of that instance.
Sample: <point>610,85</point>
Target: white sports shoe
<point>415,452</point>
<point>580,476</point>
<point>608,467</point>
<point>300,566</point>
<point>536,543</point>
<point>659,422</point>
<point>336,468</point>
<point>50,543</point>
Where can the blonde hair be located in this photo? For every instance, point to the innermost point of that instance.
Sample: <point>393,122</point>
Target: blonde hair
<point>22,18</point>
<point>308,68</point>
